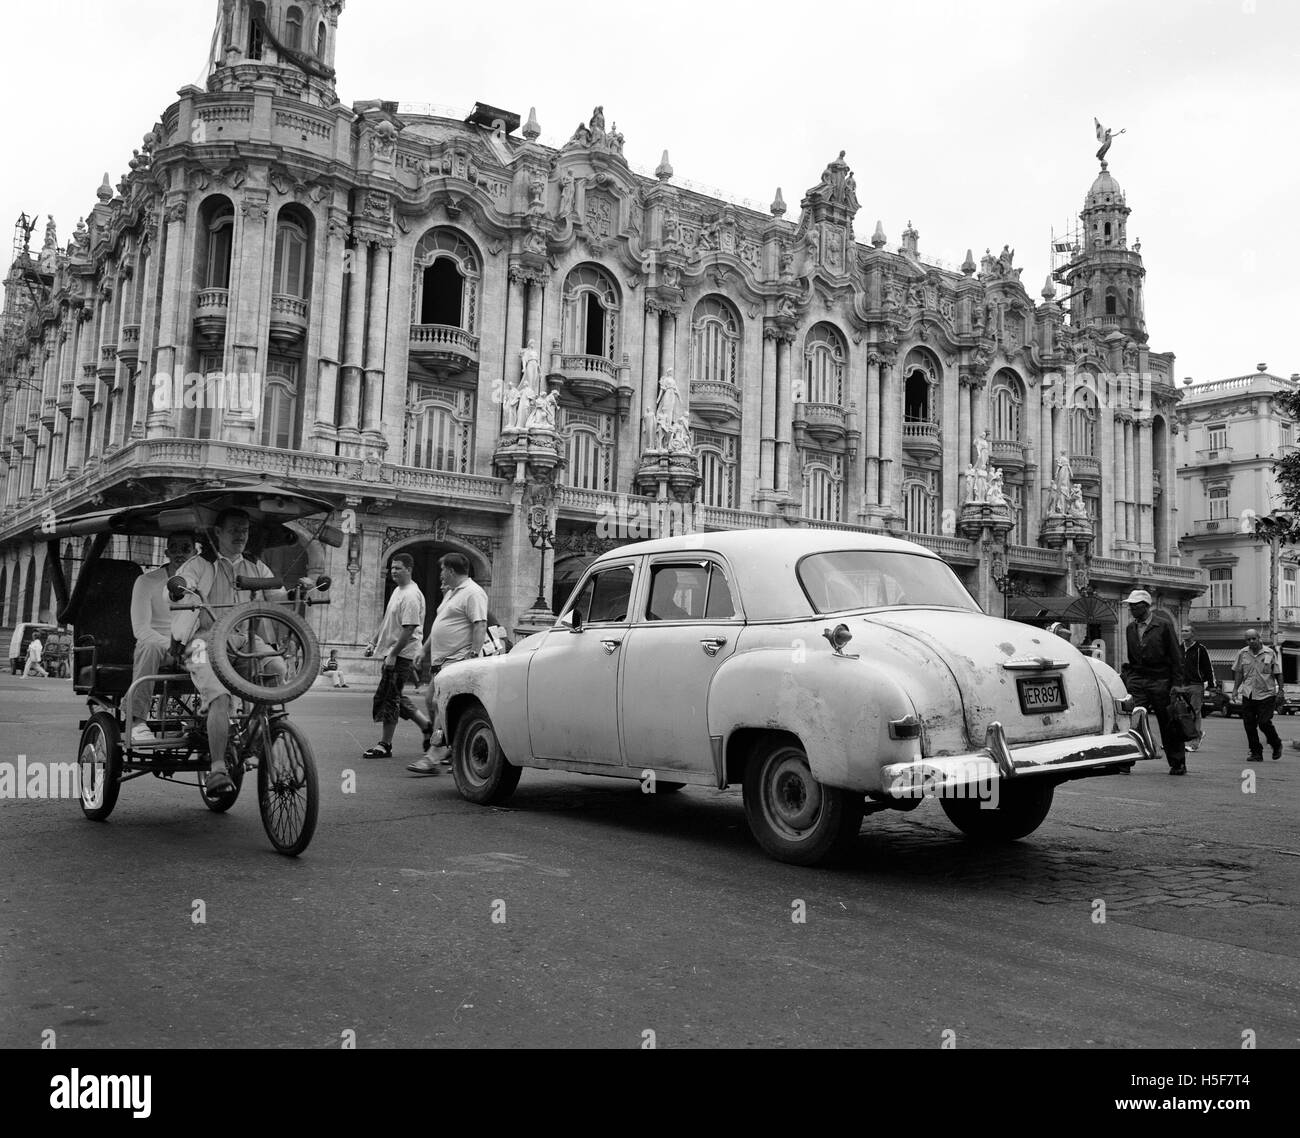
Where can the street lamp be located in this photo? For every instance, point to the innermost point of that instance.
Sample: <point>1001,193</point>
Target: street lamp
<point>541,538</point>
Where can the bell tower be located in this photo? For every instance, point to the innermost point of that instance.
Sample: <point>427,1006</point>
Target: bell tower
<point>1105,280</point>
<point>286,40</point>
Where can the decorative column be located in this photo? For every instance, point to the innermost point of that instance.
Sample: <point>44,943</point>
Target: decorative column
<point>767,415</point>
<point>650,373</point>
<point>1130,483</point>
<point>963,437</point>
<point>784,413</point>
<point>891,439</point>
<point>349,433</point>
<point>161,420</point>
<point>252,262</point>
<point>328,313</point>
<point>376,339</point>
<point>871,436</point>
<point>1145,496</point>
<point>1108,491</point>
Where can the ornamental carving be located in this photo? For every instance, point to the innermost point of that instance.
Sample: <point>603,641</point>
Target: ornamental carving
<point>254,208</point>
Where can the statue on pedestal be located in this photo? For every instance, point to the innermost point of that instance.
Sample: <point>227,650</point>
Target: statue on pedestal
<point>679,441</point>
<point>668,409</point>
<point>543,416</point>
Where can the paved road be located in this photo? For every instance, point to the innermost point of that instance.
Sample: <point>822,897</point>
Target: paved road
<point>625,913</point>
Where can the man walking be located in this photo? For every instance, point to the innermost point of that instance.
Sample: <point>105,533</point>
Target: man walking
<point>457,634</point>
<point>1197,672</point>
<point>1153,667</point>
<point>1257,674</point>
<point>397,644</point>
<point>35,652</point>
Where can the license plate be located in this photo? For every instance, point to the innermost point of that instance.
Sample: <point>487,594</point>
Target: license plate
<point>1041,695</point>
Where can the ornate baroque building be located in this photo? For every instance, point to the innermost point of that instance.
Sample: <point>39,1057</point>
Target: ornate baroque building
<point>366,287</point>
<point>1232,432</point>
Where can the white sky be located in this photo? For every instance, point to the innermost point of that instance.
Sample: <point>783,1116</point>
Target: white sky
<point>973,120</point>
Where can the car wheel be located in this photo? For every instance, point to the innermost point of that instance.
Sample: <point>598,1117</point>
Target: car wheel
<point>99,766</point>
<point>794,817</point>
<point>483,773</point>
<point>1021,809</point>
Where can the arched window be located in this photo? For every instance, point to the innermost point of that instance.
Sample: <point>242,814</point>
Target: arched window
<point>825,356</point>
<point>1112,302</point>
<point>255,42</point>
<point>591,310</point>
<point>1107,232</point>
<point>1083,424</point>
<point>1131,310</point>
<point>279,401</point>
<point>920,381</point>
<point>715,342</point>
<point>920,501</point>
<point>823,486</point>
<point>447,272</point>
<point>440,428</point>
<point>320,41</point>
<point>290,260</point>
<point>293,29</point>
<point>1008,400</point>
<point>718,468</point>
<point>220,229</point>
<point>590,449</point>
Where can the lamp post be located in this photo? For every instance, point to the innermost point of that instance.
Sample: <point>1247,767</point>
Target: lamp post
<point>541,538</point>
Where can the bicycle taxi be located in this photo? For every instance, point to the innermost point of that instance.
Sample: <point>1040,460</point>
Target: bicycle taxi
<point>262,736</point>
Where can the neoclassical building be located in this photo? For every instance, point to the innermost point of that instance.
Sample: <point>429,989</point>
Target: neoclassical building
<point>466,337</point>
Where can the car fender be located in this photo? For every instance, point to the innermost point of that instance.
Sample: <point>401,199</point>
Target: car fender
<point>838,707</point>
<point>500,684</point>
<point>1112,689</point>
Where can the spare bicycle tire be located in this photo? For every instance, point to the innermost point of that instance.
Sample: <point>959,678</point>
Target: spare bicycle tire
<point>308,665</point>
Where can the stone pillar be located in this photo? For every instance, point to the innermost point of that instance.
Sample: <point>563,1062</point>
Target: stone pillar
<point>964,436</point>
<point>1145,496</point>
<point>871,432</point>
<point>536,303</point>
<point>517,289</point>
<point>376,353</point>
<point>327,314</point>
<point>354,352</point>
<point>1130,532</point>
<point>767,421</point>
<point>650,373</point>
<point>248,322</point>
<point>168,361</point>
<point>891,442</point>
<point>784,414</point>
<point>1046,456</point>
<point>1109,480</point>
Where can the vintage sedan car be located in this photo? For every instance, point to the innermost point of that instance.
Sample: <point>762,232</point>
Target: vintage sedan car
<point>830,673</point>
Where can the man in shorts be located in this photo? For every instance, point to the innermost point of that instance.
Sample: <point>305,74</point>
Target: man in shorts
<point>215,583</point>
<point>457,634</point>
<point>397,644</point>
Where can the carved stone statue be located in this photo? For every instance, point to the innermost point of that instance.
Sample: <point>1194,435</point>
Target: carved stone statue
<point>1078,508</point>
<point>567,192</point>
<point>519,400</point>
<point>668,409</point>
<point>543,416</point>
<point>1104,136</point>
<point>597,126</point>
<point>530,367</point>
<point>1004,260</point>
<point>997,495</point>
<point>679,440</point>
<point>983,447</point>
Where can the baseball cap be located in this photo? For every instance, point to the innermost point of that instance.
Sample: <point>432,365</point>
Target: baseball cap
<point>1138,596</point>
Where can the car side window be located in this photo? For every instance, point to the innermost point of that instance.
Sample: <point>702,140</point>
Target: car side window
<point>609,593</point>
<point>720,606</point>
<point>677,592</point>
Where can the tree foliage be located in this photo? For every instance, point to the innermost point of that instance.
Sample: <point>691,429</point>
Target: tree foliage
<point>1287,470</point>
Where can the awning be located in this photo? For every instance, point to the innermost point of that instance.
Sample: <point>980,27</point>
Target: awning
<point>1073,610</point>
<point>1223,655</point>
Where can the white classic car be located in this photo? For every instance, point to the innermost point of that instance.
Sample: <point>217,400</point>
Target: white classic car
<point>718,658</point>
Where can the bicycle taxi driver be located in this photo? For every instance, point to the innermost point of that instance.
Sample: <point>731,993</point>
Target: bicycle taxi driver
<point>215,582</point>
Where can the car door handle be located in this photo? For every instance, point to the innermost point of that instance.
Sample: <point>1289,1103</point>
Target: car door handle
<point>610,645</point>
<point>712,645</point>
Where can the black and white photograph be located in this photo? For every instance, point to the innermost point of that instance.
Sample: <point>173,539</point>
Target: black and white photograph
<point>651,526</point>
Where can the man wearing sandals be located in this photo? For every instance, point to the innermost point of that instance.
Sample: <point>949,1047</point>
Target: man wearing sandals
<point>214,581</point>
<point>457,634</point>
<point>397,644</point>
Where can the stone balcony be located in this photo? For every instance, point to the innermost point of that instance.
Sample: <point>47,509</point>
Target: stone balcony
<point>1085,468</point>
<point>211,309</point>
<point>591,378</point>
<point>128,346</point>
<point>88,383</point>
<point>49,410</point>
<point>108,362</point>
<point>825,423</point>
<point>444,349</point>
<point>715,402</point>
<point>1217,527</point>
<point>1008,454</point>
<point>1217,456</point>
<point>33,430</point>
<point>289,317</point>
<point>922,436</point>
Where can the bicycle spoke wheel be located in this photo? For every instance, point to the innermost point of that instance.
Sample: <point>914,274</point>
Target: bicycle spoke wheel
<point>265,653</point>
<point>287,792</point>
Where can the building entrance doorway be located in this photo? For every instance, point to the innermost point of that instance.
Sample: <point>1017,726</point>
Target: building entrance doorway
<point>426,555</point>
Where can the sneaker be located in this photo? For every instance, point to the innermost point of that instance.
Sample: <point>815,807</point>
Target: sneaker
<point>1195,745</point>
<point>426,765</point>
<point>140,734</point>
<point>439,753</point>
<point>378,751</point>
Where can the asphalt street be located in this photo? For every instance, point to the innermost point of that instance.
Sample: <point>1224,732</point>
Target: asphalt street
<point>1148,911</point>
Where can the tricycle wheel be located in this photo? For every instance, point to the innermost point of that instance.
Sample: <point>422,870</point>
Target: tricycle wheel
<point>483,773</point>
<point>1020,811</point>
<point>99,766</point>
<point>282,629</point>
<point>287,793</point>
<point>794,817</point>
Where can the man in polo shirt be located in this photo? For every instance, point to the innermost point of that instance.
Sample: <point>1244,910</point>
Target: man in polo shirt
<point>1257,672</point>
<point>397,643</point>
<point>215,583</point>
<point>457,634</point>
<point>1153,667</point>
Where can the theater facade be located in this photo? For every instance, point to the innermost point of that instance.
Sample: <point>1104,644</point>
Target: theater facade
<point>474,341</point>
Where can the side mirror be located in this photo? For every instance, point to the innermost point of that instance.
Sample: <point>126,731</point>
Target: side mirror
<point>176,588</point>
<point>323,583</point>
<point>575,621</point>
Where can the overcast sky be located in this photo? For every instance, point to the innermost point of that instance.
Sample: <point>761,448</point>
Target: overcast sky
<point>972,120</point>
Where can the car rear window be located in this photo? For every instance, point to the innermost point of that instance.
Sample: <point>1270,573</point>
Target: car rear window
<point>868,579</point>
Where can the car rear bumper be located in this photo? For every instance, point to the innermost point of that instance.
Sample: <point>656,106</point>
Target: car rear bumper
<point>1062,759</point>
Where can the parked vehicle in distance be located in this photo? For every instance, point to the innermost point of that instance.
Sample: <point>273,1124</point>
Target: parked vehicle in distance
<point>1219,701</point>
<point>720,658</point>
<point>22,637</point>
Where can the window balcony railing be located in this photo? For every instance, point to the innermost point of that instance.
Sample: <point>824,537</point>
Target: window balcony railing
<point>1214,455</point>
<point>1219,527</point>
<point>444,348</point>
<point>128,347</point>
<point>1008,452</point>
<point>210,312</point>
<point>1202,614</point>
<point>827,423</point>
<point>593,378</point>
<point>1085,467</point>
<point>922,435</point>
<point>715,401</point>
<point>289,316</point>
<point>108,361</point>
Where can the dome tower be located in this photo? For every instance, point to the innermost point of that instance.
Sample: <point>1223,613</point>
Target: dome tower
<point>290,41</point>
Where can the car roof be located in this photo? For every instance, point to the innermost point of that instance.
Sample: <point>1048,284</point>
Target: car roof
<point>763,560</point>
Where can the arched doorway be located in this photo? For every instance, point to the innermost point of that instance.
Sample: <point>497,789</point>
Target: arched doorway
<point>426,552</point>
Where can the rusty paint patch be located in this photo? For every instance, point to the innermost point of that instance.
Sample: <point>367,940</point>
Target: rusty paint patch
<point>1007,649</point>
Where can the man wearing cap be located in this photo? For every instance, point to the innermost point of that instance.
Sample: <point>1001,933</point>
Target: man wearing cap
<point>1198,672</point>
<point>1257,673</point>
<point>1154,666</point>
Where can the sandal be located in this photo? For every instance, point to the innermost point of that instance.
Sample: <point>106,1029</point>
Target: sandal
<point>379,751</point>
<point>217,782</point>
